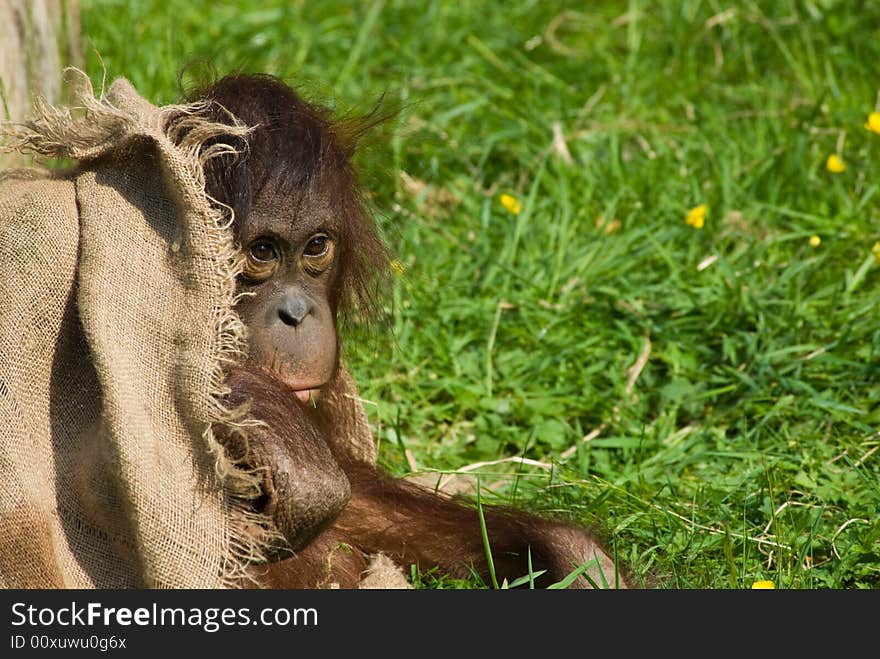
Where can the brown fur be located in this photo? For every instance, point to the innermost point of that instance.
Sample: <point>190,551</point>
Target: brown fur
<point>413,525</point>
<point>296,149</point>
<point>295,177</point>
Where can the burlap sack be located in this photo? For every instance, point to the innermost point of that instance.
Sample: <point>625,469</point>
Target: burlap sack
<point>117,283</point>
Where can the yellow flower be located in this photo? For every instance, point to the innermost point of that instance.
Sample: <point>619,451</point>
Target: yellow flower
<point>835,164</point>
<point>875,250</point>
<point>511,203</point>
<point>397,267</point>
<point>815,241</point>
<point>696,216</point>
<point>763,585</point>
<point>873,123</point>
<point>613,226</point>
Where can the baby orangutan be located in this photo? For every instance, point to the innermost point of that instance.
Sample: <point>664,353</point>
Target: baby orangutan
<point>311,253</point>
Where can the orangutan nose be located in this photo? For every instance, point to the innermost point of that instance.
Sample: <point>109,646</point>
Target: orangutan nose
<point>293,310</point>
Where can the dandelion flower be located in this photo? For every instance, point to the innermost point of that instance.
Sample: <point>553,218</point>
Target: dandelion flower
<point>613,227</point>
<point>511,203</point>
<point>397,267</point>
<point>875,250</point>
<point>696,216</point>
<point>873,123</point>
<point>835,164</point>
<point>608,227</point>
<point>815,241</point>
<point>763,585</point>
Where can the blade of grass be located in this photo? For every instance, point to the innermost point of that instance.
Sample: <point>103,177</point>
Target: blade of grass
<point>485,534</point>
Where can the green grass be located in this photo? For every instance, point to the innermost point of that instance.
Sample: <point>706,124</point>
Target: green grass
<point>743,445</point>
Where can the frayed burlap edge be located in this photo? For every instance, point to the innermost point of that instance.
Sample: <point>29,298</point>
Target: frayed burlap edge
<point>95,125</point>
<point>383,574</point>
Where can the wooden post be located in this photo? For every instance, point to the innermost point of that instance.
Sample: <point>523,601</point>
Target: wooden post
<point>38,38</point>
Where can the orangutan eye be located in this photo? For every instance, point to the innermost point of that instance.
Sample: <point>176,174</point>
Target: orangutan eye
<point>261,260</point>
<point>318,253</point>
<point>263,251</point>
<point>317,246</point>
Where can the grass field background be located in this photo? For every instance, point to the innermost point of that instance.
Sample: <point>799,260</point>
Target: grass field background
<point>707,397</point>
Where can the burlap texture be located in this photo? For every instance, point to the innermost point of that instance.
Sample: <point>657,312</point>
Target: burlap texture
<point>117,284</point>
<point>383,574</point>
